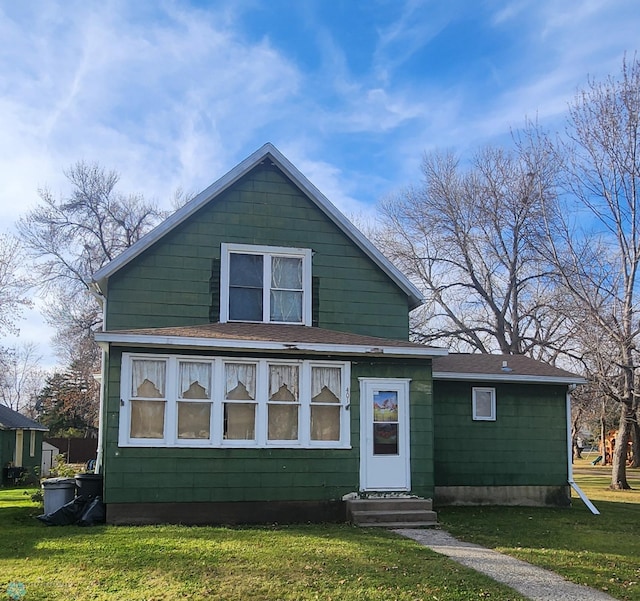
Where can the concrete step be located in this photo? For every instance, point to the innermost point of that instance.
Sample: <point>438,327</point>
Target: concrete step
<point>390,504</point>
<point>391,512</point>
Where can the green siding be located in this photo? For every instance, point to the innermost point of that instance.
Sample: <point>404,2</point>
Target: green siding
<point>7,449</point>
<point>172,283</point>
<point>215,474</point>
<point>525,446</point>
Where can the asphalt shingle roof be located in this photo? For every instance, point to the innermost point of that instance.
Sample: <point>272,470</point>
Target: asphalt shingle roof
<point>483,364</point>
<point>12,420</point>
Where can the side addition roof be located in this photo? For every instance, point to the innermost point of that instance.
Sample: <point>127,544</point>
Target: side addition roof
<point>500,368</point>
<point>270,152</point>
<point>12,420</point>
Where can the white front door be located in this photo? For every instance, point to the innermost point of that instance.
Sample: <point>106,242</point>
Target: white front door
<point>384,435</point>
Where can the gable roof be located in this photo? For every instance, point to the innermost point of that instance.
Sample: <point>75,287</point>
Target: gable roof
<point>500,368</point>
<point>266,152</point>
<point>12,420</point>
<point>266,337</point>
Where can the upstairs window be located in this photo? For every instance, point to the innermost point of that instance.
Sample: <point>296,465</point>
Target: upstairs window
<point>265,284</point>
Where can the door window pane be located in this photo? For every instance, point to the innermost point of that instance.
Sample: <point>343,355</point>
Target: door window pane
<point>385,406</point>
<point>194,420</point>
<point>239,421</point>
<point>147,419</point>
<point>385,439</point>
<point>385,423</point>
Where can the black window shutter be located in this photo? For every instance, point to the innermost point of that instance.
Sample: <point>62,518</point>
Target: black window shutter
<point>214,290</point>
<point>315,301</point>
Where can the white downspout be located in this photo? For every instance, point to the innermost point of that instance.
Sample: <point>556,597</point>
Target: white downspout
<point>95,291</point>
<point>572,482</point>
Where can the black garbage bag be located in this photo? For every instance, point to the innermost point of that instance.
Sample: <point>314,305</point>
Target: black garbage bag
<point>94,513</point>
<point>67,514</point>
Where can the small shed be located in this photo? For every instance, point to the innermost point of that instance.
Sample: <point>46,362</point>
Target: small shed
<point>20,445</point>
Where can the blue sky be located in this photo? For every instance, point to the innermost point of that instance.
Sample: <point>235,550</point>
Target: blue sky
<point>172,94</point>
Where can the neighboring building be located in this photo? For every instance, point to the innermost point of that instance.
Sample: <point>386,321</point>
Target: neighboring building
<point>49,454</point>
<point>257,363</point>
<point>20,445</point>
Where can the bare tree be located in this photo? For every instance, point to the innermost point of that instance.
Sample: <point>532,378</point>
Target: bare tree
<point>20,377</point>
<point>71,238</point>
<point>598,262</point>
<point>14,283</point>
<point>467,237</point>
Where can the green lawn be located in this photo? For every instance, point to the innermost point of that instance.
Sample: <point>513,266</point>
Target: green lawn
<point>172,562</point>
<point>602,551</point>
<point>318,562</point>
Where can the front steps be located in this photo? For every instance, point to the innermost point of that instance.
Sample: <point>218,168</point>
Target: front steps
<point>391,512</point>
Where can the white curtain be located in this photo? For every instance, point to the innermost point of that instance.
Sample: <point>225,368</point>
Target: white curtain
<point>326,385</point>
<point>283,383</point>
<point>148,378</point>
<point>240,381</point>
<point>193,374</point>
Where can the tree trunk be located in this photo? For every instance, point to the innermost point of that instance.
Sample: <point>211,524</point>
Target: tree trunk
<point>635,442</point>
<point>603,437</point>
<point>619,452</point>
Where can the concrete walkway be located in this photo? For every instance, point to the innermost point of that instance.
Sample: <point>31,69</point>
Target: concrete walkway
<point>532,582</point>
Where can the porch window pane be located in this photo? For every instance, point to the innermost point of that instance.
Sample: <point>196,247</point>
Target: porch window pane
<point>283,422</point>
<point>147,419</point>
<point>240,381</point>
<point>283,383</point>
<point>195,380</point>
<point>194,420</point>
<point>148,378</point>
<point>325,422</point>
<point>239,421</point>
<point>326,384</point>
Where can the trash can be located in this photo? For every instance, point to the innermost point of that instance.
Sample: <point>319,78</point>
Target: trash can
<point>89,485</point>
<point>57,492</point>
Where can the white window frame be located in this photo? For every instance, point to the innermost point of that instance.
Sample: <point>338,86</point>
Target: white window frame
<point>32,444</point>
<point>216,440</point>
<point>474,394</point>
<point>266,251</point>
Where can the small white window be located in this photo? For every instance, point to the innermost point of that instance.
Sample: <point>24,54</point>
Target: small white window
<point>484,404</point>
<point>265,284</point>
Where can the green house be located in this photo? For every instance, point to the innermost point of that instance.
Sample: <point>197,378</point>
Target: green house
<point>20,446</point>
<point>257,368</point>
